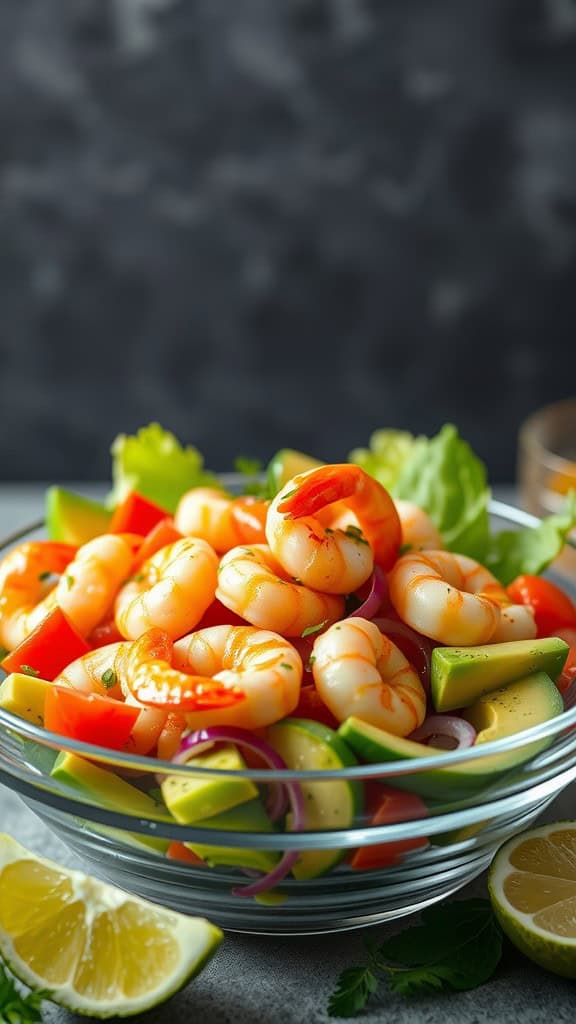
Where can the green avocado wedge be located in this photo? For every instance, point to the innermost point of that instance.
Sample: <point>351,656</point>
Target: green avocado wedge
<point>335,804</point>
<point>510,710</point>
<point>190,799</point>
<point>286,464</point>
<point>73,519</point>
<point>100,786</point>
<point>248,817</point>
<point>460,675</point>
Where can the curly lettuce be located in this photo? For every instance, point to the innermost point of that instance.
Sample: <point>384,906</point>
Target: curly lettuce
<point>154,463</point>
<point>387,452</point>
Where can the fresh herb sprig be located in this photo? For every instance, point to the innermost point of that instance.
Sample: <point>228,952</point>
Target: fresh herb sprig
<point>16,1008</point>
<point>457,946</point>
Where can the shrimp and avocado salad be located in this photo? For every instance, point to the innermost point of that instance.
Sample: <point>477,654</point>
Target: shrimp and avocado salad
<point>328,615</point>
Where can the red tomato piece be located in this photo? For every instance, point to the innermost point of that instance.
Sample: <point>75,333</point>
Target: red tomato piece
<point>553,608</point>
<point>218,615</point>
<point>160,536</point>
<point>387,806</point>
<point>106,633</point>
<point>310,705</point>
<point>136,515</point>
<point>49,648</point>
<point>178,851</point>
<point>89,717</point>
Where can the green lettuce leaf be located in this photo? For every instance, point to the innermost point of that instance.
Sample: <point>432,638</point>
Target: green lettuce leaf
<point>387,452</point>
<point>530,550</point>
<point>154,463</point>
<point>446,478</point>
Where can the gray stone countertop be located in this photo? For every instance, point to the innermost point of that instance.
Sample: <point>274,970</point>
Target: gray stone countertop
<point>289,980</point>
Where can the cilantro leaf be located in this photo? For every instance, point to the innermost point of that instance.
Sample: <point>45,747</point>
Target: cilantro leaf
<point>154,463</point>
<point>456,946</point>
<point>355,986</point>
<point>16,1008</point>
<point>516,552</point>
<point>254,484</point>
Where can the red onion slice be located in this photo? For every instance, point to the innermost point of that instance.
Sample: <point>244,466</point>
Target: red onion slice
<point>569,696</point>
<point>373,602</point>
<point>201,739</point>
<point>445,726</point>
<point>394,628</point>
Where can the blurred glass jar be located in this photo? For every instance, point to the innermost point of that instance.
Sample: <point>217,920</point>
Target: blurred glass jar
<point>547,463</point>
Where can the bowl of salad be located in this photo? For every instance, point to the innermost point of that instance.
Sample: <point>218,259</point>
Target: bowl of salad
<point>293,700</point>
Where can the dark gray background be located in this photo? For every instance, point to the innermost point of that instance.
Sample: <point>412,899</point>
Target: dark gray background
<point>272,222</point>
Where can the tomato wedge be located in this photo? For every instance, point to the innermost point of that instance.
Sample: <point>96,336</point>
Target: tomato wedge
<point>89,717</point>
<point>48,649</point>
<point>136,515</point>
<point>178,851</point>
<point>387,806</point>
<point>160,536</point>
<point>310,705</point>
<point>568,673</point>
<point>553,608</point>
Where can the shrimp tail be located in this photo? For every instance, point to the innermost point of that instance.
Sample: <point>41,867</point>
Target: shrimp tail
<point>324,487</point>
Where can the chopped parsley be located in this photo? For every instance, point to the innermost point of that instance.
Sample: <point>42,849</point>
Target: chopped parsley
<point>310,630</point>
<point>44,575</point>
<point>70,581</point>
<point>28,670</point>
<point>109,678</point>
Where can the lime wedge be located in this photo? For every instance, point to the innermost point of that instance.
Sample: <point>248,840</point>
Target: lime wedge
<point>532,886</point>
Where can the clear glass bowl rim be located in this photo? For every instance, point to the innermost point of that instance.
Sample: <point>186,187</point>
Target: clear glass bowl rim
<point>391,769</point>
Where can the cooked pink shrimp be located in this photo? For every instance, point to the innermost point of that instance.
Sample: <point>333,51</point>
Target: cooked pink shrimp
<point>455,600</point>
<point>99,671</point>
<point>359,671</point>
<point>102,671</point>
<point>87,591</point>
<point>252,584</point>
<point>152,680</point>
<point>172,591</point>
<point>265,666</point>
<point>418,530</point>
<point>328,560</point>
<point>222,521</point>
<point>24,600</point>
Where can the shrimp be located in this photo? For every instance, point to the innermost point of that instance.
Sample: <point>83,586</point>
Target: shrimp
<point>24,600</point>
<point>418,530</point>
<point>87,592</point>
<point>359,671</point>
<point>254,586</point>
<point>173,589</point>
<point>102,672</point>
<point>99,671</point>
<point>265,666</point>
<point>222,521</point>
<point>328,560</point>
<point>455,600</point>
<point>150,677</point>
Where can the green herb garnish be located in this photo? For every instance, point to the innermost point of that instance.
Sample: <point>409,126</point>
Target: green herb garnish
<point>284,664</point>
<point>16,1008</point>
<point>109,678</point>
<point>314,629</point>
<point>457,946</point>
<point>28,670</point>
<point>44,575</point>
<point>70,581</point>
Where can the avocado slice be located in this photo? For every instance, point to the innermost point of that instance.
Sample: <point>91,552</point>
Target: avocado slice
<point>24,695</point>
<point>306,744</point>
<point>460,675</point>
<point>248,817</point>
<point>286,464</point>
<point>513,708</point>
<point>191,799</point>
<point>73,519</point>
<point>103,787</point>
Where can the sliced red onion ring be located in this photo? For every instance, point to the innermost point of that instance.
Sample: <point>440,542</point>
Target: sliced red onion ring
<point>569,696</point>
<point>446,726</point>
<point>204,738</point>
<point>378,591</point>
<point>392,628</point>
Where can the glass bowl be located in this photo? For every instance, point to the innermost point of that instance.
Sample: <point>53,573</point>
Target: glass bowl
<point>454,842</point>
